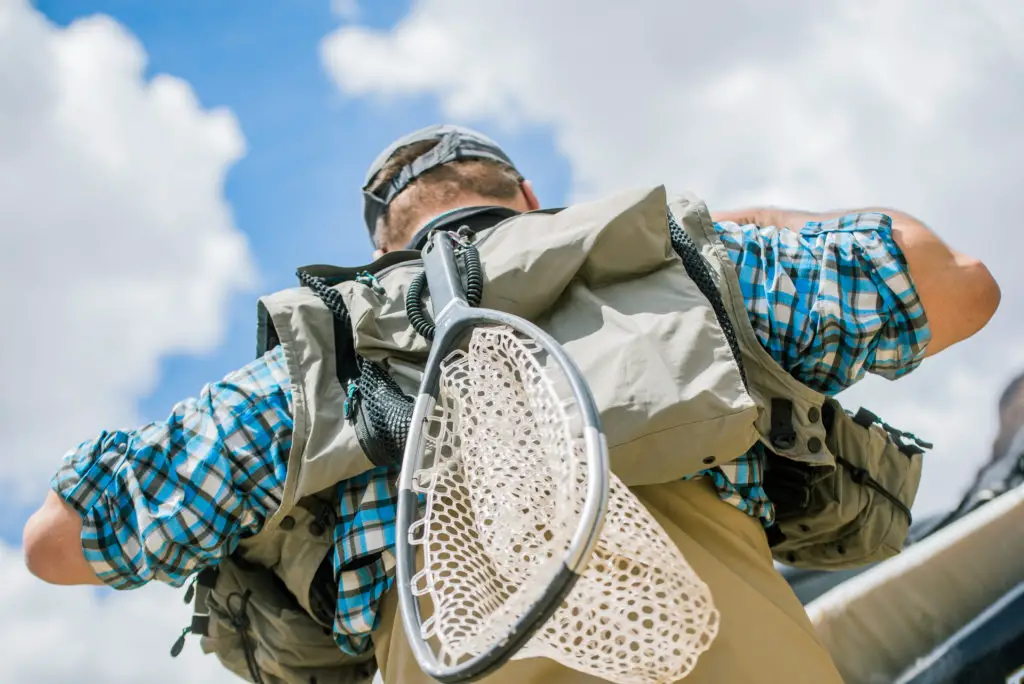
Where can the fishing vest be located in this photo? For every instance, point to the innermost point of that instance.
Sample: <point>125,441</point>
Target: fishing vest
<point>640,292</point>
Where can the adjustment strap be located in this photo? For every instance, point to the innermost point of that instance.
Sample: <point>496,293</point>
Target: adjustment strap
<point>900,438</point>
<point>205,582</point>
<point>782,434</point>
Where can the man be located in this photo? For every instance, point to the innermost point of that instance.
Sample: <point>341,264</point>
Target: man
<point>829,297</point>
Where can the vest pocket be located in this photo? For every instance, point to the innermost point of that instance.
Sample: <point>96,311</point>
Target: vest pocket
<point>258,631</point>
<point>860,512</point>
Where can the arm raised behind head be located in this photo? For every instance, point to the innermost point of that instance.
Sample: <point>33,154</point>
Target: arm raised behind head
<point>958,292</point>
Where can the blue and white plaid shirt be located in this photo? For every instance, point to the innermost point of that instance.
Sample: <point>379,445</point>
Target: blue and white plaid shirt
<point>829,303</point>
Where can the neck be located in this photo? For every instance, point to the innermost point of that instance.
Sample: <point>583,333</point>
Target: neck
<point>441,215</point>
<point>476,217</point>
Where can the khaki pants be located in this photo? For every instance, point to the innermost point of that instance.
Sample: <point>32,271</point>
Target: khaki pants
<point>765,635</point>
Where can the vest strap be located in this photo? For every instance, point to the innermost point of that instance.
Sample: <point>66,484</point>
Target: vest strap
<point>782,434</point>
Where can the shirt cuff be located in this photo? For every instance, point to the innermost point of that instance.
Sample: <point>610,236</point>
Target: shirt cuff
<point>900,345</point>
<point>84,481</point>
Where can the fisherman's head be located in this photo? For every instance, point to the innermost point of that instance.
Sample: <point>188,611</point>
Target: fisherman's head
<point>433,171</point>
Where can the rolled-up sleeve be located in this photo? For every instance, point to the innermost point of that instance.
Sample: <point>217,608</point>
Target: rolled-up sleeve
<point>162,501</point>
<point>831,301</point>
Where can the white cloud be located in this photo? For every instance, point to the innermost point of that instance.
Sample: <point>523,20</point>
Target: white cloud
<point>912,104</point>
<point>71,634</point>
<point>345,9</point>
<point>117,246</point>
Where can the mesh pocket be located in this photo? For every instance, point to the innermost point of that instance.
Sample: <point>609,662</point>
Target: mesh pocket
<point>380,409</point>
<point>382,415</point>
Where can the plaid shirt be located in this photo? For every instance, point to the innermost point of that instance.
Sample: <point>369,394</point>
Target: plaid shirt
<point>829,303</point>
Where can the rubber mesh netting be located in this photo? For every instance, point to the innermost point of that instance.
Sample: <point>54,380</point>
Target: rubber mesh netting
<point>503,498</point>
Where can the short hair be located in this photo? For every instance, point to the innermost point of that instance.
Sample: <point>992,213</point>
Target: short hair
<point>440,185</point>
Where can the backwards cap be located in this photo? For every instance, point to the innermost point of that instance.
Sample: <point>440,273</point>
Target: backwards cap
<point>456,142</point>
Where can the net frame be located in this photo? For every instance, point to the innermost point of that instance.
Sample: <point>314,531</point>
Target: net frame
<point>454,319</point>
<point>495,521</point>
<point>609,594</point>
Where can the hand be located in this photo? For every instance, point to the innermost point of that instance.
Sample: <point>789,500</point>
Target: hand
<point>762,217</point>
<point>742,217</point>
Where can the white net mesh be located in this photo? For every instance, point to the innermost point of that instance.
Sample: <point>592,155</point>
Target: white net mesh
<point>503,497</point>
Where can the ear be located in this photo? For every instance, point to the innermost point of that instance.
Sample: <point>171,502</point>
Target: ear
<point>531,198</point>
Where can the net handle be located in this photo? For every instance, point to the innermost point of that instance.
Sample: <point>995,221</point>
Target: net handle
<point>453,318</point>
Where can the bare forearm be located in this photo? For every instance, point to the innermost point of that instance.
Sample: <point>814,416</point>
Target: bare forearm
<point>957,291</point>
<point>52,543</point>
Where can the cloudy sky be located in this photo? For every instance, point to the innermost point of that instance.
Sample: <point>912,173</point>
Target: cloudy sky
<point>163,163</point>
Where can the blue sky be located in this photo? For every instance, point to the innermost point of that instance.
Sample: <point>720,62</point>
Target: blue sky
<point>295,193</point>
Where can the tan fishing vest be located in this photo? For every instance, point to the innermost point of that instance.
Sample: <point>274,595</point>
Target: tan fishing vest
<point>604,279</point>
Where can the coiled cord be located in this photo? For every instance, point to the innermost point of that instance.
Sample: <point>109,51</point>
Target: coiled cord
<point>415,307</point>
<point>416,310</point>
